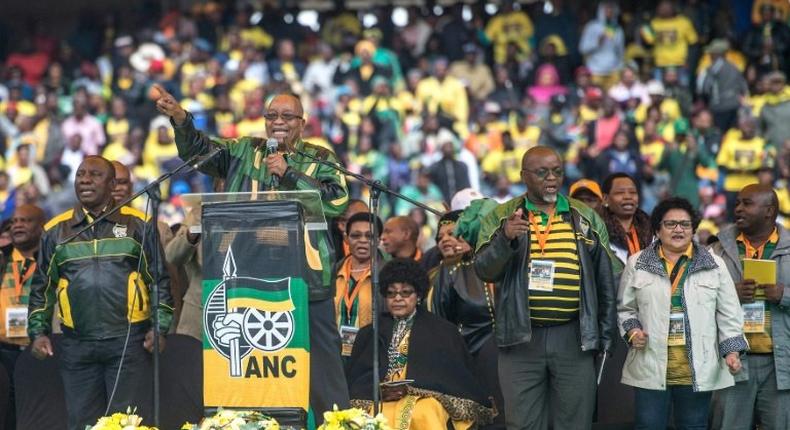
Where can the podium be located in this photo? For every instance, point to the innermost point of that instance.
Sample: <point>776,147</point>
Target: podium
<point>259,256</point>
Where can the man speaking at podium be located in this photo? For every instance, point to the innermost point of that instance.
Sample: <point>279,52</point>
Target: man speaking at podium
<point>252,165</point>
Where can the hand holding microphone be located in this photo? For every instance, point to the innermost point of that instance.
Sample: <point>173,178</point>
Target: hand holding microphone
<point>275,162</point>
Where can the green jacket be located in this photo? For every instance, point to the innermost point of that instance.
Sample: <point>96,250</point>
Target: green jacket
<point>505,262</point>
<point>682,168</point>
<point>100,280</point>
<point>237,167</point>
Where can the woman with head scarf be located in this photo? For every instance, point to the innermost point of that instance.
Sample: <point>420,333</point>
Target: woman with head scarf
<point>426,374</point>
<point>460,297</point>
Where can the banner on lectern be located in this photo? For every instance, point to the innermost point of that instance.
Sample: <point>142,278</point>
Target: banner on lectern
<point>256,348</point>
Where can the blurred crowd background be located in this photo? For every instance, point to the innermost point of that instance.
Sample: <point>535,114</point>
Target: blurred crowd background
<point>690,98</point>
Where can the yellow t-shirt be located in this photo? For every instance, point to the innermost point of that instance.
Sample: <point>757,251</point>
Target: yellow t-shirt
<point>670,111</point>
<point>524,139</point>
<point>741,158</point>
<point>513,27</point>
<point>117,130</point>
<point>116,151</point>
<point>504,162</point>
<point>672,39</point>
<point>251,127</point>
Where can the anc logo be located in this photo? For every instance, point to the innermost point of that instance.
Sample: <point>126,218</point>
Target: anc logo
<point>243,313</point>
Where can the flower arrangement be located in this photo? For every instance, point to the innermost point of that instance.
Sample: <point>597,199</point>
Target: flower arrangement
<point>118,421</point>
<point>226,419</point>
<point>353,419</point>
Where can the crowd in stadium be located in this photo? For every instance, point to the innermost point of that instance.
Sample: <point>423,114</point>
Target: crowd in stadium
<point>652,109</point>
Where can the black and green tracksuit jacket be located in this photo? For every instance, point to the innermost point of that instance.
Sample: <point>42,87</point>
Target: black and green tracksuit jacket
<point>237,166</point>
<point>97,281</point>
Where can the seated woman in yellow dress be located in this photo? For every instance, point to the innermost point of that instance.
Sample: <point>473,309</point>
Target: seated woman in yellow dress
<point>425,369</point>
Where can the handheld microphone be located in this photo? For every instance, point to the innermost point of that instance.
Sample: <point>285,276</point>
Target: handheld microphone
<point>271,148</point>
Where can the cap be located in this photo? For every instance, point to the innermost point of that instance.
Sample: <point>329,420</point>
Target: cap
<point>586,184</point>
<point>655,88</point>
<point>462,199</point>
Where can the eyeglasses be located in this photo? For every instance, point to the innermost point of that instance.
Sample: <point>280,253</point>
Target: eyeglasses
<point>360,236</point>
<point>286,116</point>
<point>405,294</point>
<point>672,224</point>
<point>543,173</point>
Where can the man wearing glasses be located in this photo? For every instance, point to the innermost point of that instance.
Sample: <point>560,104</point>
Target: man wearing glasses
<point>556,301</point>
<point>247,166</point>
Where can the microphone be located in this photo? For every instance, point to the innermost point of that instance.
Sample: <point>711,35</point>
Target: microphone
<point>203,160</point>
<point>271,148</point>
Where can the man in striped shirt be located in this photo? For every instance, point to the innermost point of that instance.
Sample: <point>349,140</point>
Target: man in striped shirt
<point>548,256</point>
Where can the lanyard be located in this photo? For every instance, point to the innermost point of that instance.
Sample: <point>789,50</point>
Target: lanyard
<point>543,237</point>
<point>352,293</point>
<point>677,272</point>
<point>632,239</point>
<point>19,282</point>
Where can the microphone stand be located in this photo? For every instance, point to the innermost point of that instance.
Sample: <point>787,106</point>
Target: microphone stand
<point>155,196</point>
<point>376,188</point>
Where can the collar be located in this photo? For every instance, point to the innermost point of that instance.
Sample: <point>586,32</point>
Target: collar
<point>16,256</point>
<point>80,215</point>
<point>688,253</point>
<point>773,238</point>
<point>650,260</point>
<point>562,204</point>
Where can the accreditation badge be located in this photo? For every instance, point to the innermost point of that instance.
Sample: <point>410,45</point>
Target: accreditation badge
<point>541,275</point>
<point>16,322</point>
<point>677,329</point>
<point>754,317</point>
<point>348,334</point>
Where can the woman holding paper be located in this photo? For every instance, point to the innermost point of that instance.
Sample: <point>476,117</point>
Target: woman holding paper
<point>426,373</point>
<point>679,313</point>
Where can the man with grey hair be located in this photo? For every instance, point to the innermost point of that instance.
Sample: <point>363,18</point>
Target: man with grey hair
<point>556,304</point>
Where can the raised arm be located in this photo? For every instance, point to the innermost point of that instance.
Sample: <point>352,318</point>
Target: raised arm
<point>189,140</point>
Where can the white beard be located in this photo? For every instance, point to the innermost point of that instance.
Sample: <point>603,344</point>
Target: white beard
<point>550,198</point>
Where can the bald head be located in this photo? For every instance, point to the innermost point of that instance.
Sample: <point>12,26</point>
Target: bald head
<point>756,209</point>
<point>542,173</point>
<point>123,182</point>
<point>27,226</point>
<point>399,236</point>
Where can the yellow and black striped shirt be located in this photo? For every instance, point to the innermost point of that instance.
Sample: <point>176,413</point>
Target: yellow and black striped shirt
<point>562,303</point>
